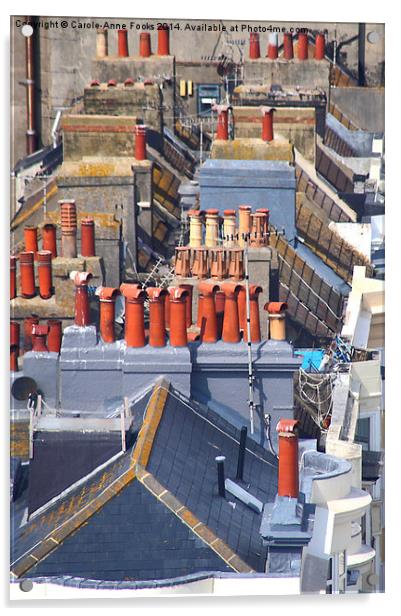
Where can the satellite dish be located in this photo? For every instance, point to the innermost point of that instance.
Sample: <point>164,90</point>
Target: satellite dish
<point>23,387</point>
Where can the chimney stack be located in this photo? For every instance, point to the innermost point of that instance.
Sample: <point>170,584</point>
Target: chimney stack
<point>29,322</point>
<point>107,301</point>
<point>208,323</point>
<point>276,312</point>
<point>102,46</point>
<point>163,41</point>
<point>39,333</point>
<point>13,276</point>
<point>134,314</point>
<point>45,273</point>
<point>157,323</point>
<point>49,238</point>
<point>82,312</point>
<point>122,43</point>
<point>254,291</point>
<point>229,228</point>
<point>222,122</point>
<point>27,275</point>
<point>320,46</point>
<point>31,240</point>
<point>88,237</point>
<point>272,48</point>
<point>195,228</point>
<point>182,265</point>
<point>178,326</point>
<point>231,321</point>
<point>244,224</point>
<point>145,50</point>
<point>288,471</point>
<point>188,302</point>
<point>68,214</point>
<point>140,142</point>
<point>302,46</point>
<point>254,47</point>
<point>288,46</point>
<point>54,336</point>
<point>267,123</point>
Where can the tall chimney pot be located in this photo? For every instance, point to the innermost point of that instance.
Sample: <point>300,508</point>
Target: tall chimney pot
<point>140,142</point>
<point>134,314</point>
<point>231,331</point>
<point>208,324</point>
<point>157,323</point>
<point>68,214</point>
<point>288,470</point>
<point>163,41</point>
<point>320,46</point>
<point>27,271</point>
<point>82,312</point>
<point>49,238</point>
<point>254,46</point>
<point>302,46</point>
<point>276,311</point>
<point>107,301</point>
<point>288,46</point>
<point>54,336</point>
<point>178,327</point>
<point>272,48</point>
<point>31,240</point>
<point>88,237</point>
<point>145,50</point>
<point>222,121</point>
<point>102,45</point>
<point>45,273</point>
<point>122,43</point>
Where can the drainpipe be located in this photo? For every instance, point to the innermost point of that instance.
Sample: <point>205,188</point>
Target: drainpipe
<point>39,333</point>
<point>178,328</point>
<point>288,46</point>
<point>231,331</point>
<point>54,336</point>
<point>361,54</point>
<point>107,301</point>
<point>276,312</point>
<point>208,324</point>
<point>163,41</point>
<point>122,43</point>
<point>134,315</point>
<point>145,49</point>
<point>31,133</point>
<point>288,480</point>
<point>68,215</point>
<point>13,276</point>
<point>254,46</point>
<point>82,313</point>
<point>49,238</point>
<point>157,322</point>
<point>45,273</point>
<point>27,275</point>
<point>88,237</point>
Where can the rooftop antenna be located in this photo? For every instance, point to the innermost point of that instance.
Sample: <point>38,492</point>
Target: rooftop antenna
<point>248,332</point>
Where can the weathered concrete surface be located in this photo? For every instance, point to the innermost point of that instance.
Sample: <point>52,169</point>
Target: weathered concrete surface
<point>43,368</point>
<point>253,149</point>
<point>305,73</point>
<point>363,106</point>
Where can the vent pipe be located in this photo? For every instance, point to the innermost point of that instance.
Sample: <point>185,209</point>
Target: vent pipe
<point>288,46</point>
<point>288,473</point>
<point>68,214</point>
<point>13,276</point>
<point>140,142</point>
<point>27,274</point>
<point>54,336</point>
<point>220,475</point>
<point>208,324</point>
<point>39,333</point>
<point>241,454</point>
<point>231,331</point>
<point>102,44</point>
<point>276,312</point>
<point>222,122</point>
<point>29,322</point>
<point>178,327</point>
<point>122,43</point>
<point>244,224</point>
<point>163,41</point>
<point>31,240</point>
<point>82,312</point>
<point>88,237</point>
<point>254,47</point>
<point>134,314</point>
<point>267,123</point>
<point>45,273</point>
<point>49,238</point>
<point>195,228</point>
<point>157,323</point>
<point>302,47</point>
<point>145,50</point>
<point>107,301</point>
<point>272,48</point>
<point>320,46</point>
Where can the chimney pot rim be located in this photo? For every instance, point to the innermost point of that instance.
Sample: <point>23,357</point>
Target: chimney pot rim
<point>275,307</point>
<point>108,293</point>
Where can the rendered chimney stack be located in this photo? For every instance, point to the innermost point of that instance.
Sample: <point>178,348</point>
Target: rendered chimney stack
<point>288,473</point>
<point>163,41</point>
<point>200,268</point>
<point>45,273</point>
<point>212,228</point>
<point>288,46</point>
<point>218,265</point>
<point>267,123</point>
<point>145,50</point>
<point>244,224</point>
<point>276,312</point>
<point>320,46</point>
<point>31,240</point>
<point>49,238</point>
<point>231,331</point>
<point>39,334</point>
<point>178,328</point>
<point>102,43</point>
<point>229,228</point>
<point>88,237</point>
<point>140,142</point>
<point>220,300</point>
<point>54,336</point>
<point>195,228</point>
<point>208,325</point>
<point>188,302</point>
<point>27,274</point>
<point>302,47</point>
<point>29,322</point>
<point>182,261</point>
<point>107,301</point>
<point>254,47</point>
<point>134,314</point>
<point>68,214</point>
<point>157,323</point>
<point>13,276</point>
<point>122,43</point>
<point>82,312</point>
<point>222,122</point>
<point>236,264</point>
<point>272,48</point>
<point>254,292</point>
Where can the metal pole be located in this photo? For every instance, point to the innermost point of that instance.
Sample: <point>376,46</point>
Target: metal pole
<point>122,425</point>
<point>220,475</point>
<point>249,344</point>
<point>241,453</point>
<point>31,134</point>
<point>201,141</point>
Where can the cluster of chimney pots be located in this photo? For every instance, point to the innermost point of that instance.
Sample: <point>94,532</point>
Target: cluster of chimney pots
<point>288,47</point>
<point>145,45</point>
<point>216,244</point>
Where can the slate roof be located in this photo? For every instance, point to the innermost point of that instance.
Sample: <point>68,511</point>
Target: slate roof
<point>154,513</point>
